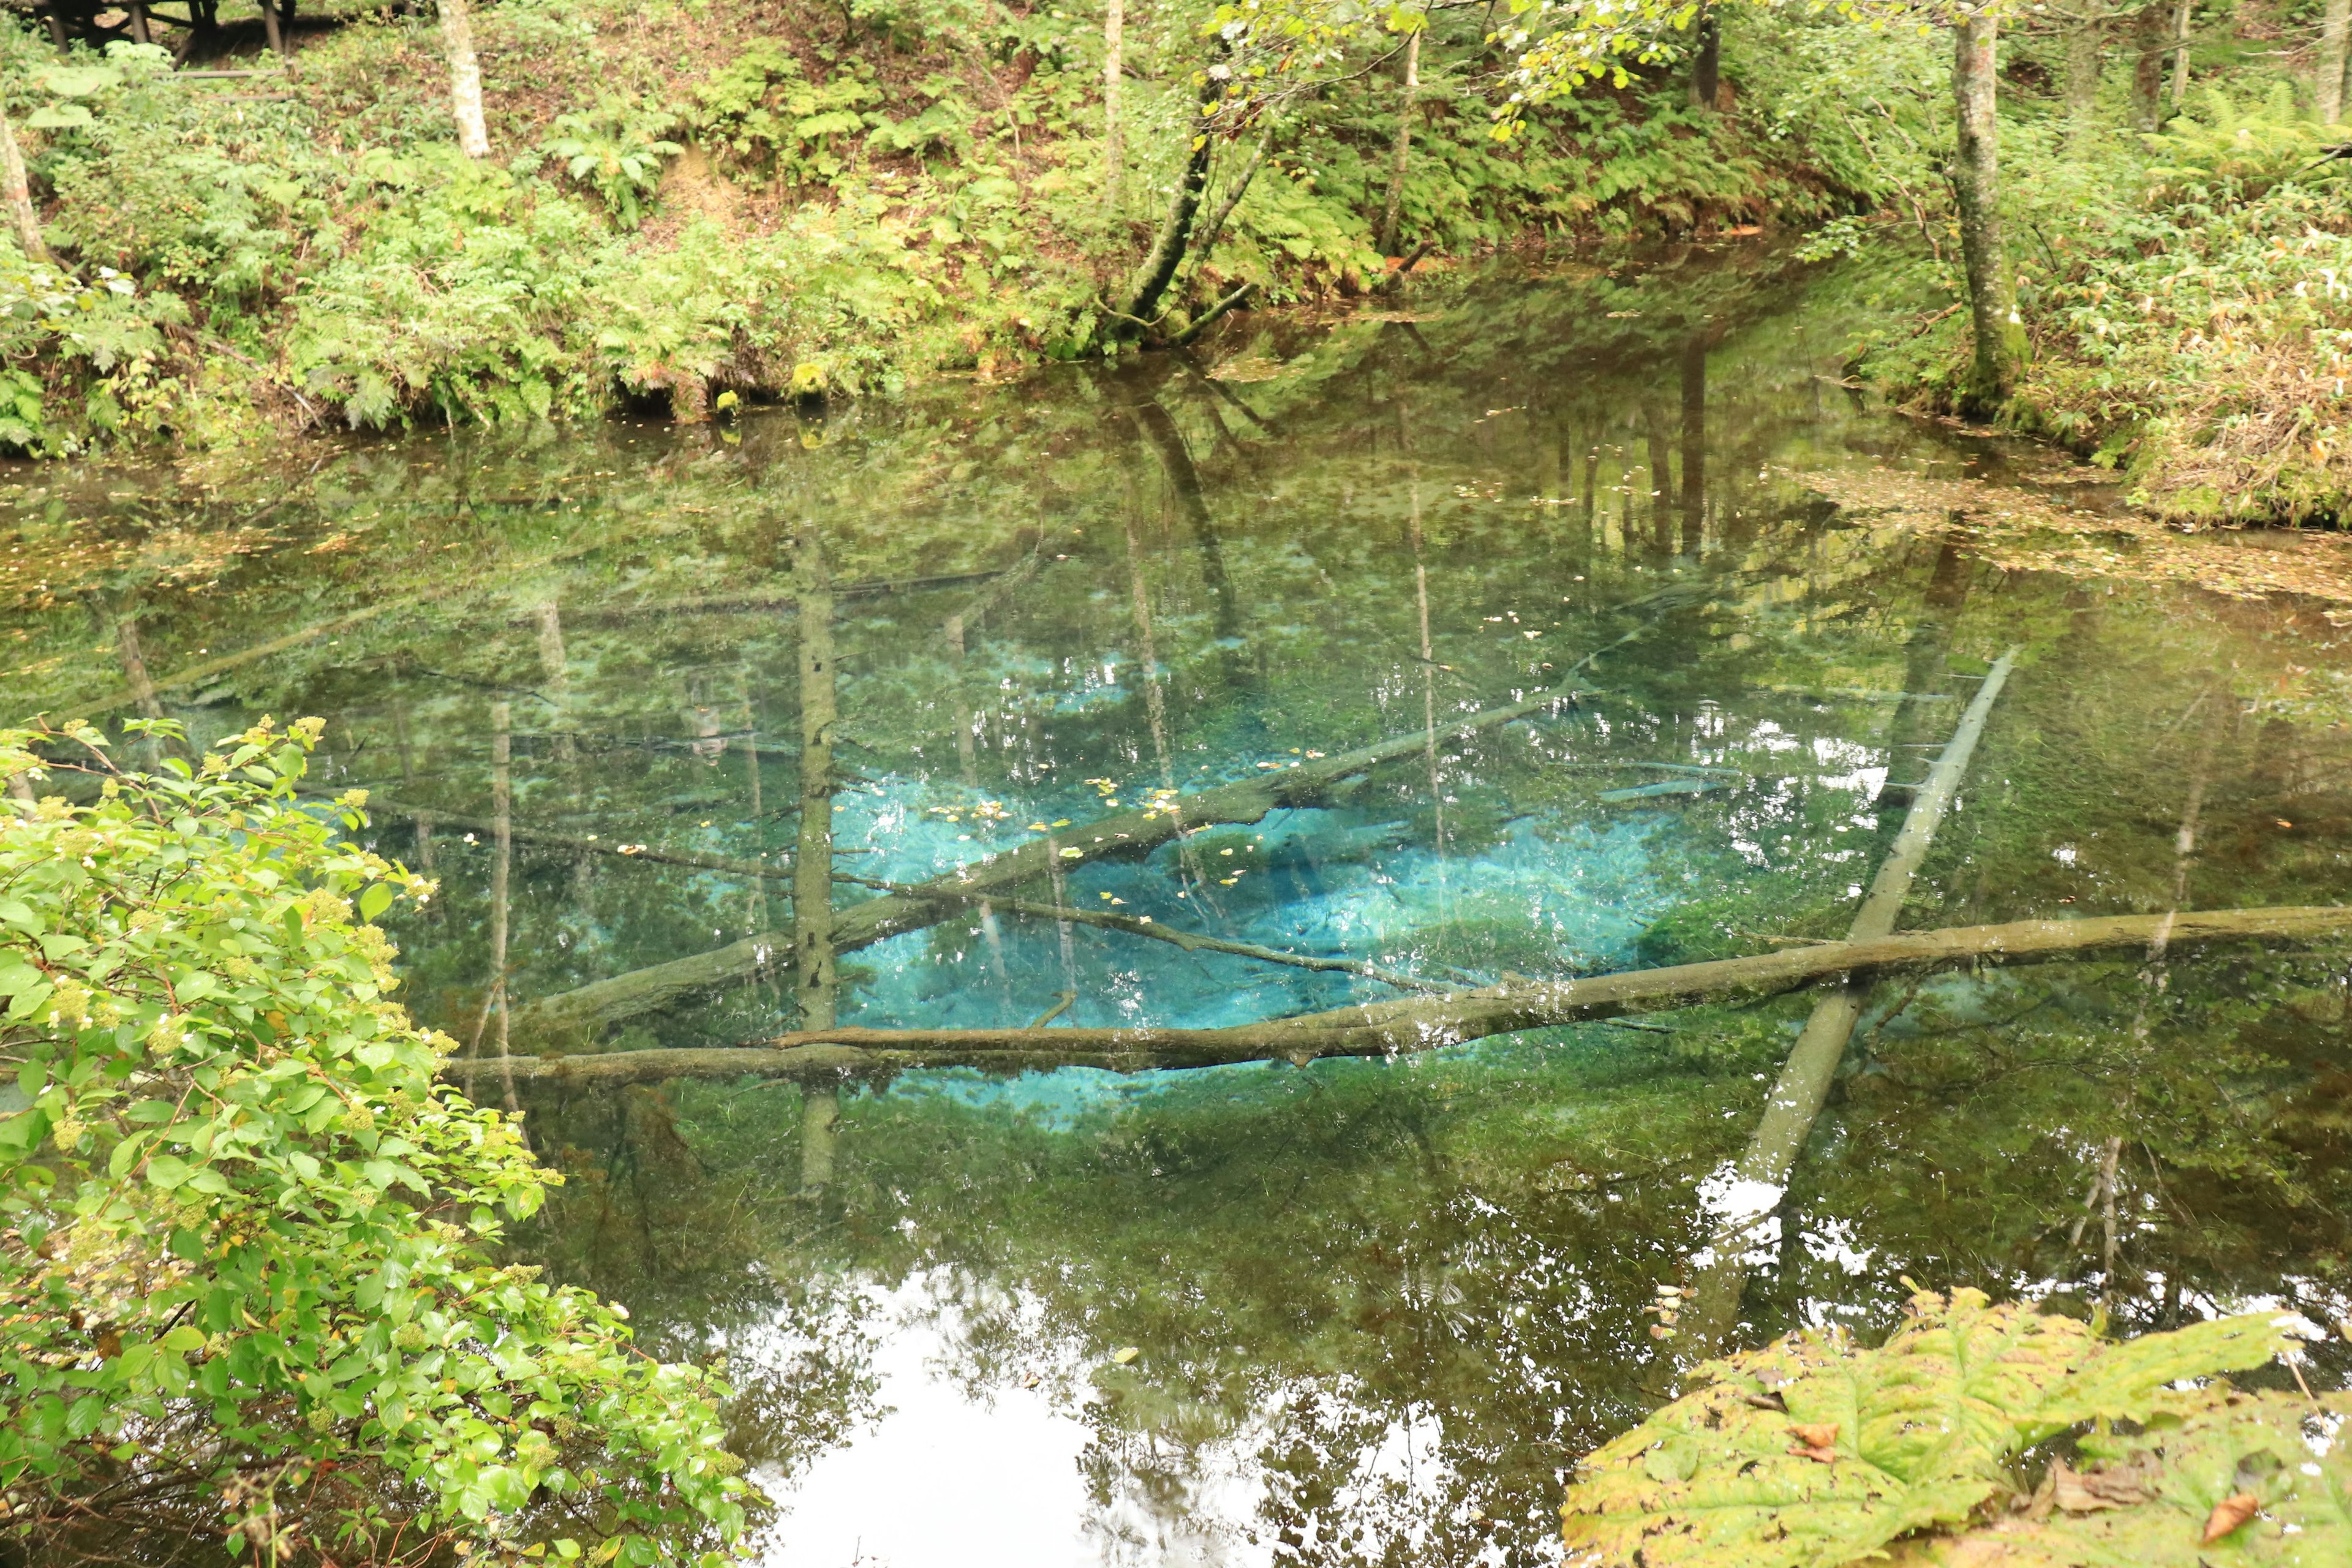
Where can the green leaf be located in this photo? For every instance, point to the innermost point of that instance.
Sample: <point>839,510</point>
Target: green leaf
<point>374,901</point>
<point>167,1171</point>
<point>1924,1430</point>
<point>126,1154</point>
<point>2162,1485</point>
<point>79,82</point>
<point>58,117</point>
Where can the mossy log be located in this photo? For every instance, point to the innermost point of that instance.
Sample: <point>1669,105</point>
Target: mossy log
<point>1402,1026</point>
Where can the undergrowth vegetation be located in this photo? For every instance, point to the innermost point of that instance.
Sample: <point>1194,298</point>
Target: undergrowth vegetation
<point>2186,290</point>
<point>697,198</point>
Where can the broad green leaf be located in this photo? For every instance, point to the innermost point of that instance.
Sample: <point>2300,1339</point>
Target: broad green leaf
<point>58,117</point>
<point>79,82</point>
<point>2222,1443</point>
<point>167,1171</point>
<point>375,900</point>
<point>1926,1427</point>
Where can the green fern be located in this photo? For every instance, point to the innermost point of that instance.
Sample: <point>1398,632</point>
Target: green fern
<point>2236,151</point>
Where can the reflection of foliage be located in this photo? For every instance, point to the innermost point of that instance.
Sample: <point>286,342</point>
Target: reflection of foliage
<point>1812,1453</point>
<point>246,1224</point>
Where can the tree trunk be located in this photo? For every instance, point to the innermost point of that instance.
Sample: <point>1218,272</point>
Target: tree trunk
<point>1176,229</point>
<point>464,79</point>
<point>1403,153</point>
<point>813,948</point>
<point>1706,62</point>
<point>2151,44</point>
<point>18,189</point>
<point>1113,63</point>
<point>1992,303</point>
<point>2328,89</point>
<point>2181,17</point>
<point>2086,61</point>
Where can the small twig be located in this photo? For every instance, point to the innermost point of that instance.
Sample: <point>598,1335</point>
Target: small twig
<point>1067,1000</point>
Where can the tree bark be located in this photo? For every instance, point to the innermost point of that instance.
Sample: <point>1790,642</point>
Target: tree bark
<point>2327,86</point>
<point>464,79</point>
<point>2151,44</point>
<point>1400,157</point>
<point>1706,60</point>
<point>2181,17</point>
<point>18,189</point>
<point>1405,1026</point>
<point>813,947</point>
<point>1992,303</point>
<point>1113,63</point>
<point>2086,61</point>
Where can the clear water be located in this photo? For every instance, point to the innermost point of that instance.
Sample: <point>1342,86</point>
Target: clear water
<point>1375,1309</point>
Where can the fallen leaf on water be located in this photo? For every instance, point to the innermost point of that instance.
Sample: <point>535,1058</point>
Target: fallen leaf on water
<point>1815,1435</point>
<point>2228,1514</point>
<point>1125,1353</point>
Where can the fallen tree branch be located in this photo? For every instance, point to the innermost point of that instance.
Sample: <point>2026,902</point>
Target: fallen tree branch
<point>1398,1028</point>
<point>1189,941</point>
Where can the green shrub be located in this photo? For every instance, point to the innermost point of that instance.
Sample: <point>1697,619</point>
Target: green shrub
<point>246,1228</point>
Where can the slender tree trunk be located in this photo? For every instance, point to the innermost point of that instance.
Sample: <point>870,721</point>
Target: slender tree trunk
<point>18,189</point>
<point>2180,19</point>
<point>1176,229</point>
<point>464,79</point>
<point>813,947</point>
<point>2151,45</point>
<point>1114,64</point>
<point>1992,302</point>
<point>2328,88</point>
<point>2087,62</point>
<point>1403,153</point>
<point>1706,62</point>
<point>271,29</point>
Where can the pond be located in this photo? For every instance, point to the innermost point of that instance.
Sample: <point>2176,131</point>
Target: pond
<point>1354,1310</point>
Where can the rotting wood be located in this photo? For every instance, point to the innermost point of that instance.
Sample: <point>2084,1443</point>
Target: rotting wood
<point>1189,941</point>
<point>1803,1088</point>
<point>1404,1027</point>
<point>1130,833</point>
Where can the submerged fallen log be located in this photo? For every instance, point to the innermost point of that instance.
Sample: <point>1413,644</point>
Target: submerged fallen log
<point>1398,1028</point>
<point>593,1006</point>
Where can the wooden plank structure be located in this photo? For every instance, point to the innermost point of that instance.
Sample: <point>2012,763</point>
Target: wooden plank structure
<point>99,23</point>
